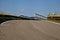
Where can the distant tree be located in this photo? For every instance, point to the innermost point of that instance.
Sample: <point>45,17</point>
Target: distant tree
<point>23,16</point>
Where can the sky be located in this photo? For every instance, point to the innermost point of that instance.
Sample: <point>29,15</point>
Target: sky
<point>30,7</point>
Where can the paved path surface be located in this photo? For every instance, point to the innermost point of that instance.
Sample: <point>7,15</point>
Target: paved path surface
<point>29,30</point>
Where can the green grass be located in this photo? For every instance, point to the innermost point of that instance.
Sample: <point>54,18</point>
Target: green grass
<point>54,20</point>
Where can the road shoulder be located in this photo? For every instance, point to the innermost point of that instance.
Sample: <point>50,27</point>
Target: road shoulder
<point>54,22</point>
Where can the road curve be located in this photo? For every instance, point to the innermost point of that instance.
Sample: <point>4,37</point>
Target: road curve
<point>29,30</point>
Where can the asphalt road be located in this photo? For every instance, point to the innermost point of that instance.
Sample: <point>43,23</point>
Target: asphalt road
<point>29,30</point>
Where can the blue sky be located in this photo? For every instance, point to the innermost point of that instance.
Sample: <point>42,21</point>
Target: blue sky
<point>30,7</point>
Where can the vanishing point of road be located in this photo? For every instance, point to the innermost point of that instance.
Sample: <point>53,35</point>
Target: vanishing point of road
<point>29,30</point>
